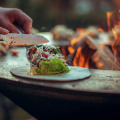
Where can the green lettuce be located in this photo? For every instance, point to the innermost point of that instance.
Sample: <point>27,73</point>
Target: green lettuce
<point>53,66</point>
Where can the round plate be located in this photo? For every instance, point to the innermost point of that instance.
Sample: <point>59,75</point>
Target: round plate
<point>76,73</point>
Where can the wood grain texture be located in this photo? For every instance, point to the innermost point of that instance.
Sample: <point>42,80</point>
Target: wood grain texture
<point>107,81</point>
<point>87,98</point>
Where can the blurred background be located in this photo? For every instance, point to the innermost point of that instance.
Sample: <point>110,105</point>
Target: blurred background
<point>46,14</point>
<point>73,13</point>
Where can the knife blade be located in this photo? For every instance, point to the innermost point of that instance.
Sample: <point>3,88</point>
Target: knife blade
<point>23,39</point>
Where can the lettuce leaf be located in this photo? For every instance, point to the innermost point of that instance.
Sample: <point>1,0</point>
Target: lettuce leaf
<point>53,66</point>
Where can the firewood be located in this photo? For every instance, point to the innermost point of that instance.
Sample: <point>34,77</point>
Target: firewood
<point>104,58</point>
<point>89,53</point>
<point>87,47</point>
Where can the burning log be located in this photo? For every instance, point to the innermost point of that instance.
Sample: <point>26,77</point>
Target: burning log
<point>113,21</point>
<point>91,49</point>
<point>88,53</point>
<point>83,51</point>
<point>104,58</point>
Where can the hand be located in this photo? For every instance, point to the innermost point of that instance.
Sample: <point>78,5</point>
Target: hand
<point>9,16</point>
<point>3,31</point>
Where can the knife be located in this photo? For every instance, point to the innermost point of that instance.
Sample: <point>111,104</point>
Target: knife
<point>23,39</point>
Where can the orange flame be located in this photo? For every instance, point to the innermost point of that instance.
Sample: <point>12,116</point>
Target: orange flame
<point>115,35</point>
<point>114,26</point>
<point>100,30</point>
<point>100,64</point>
<point>63,50</point>
<point>109,14</point>
<point>75,40</point>
<point>71,49</point>
<point>76,58</point>
<point>79,58</point>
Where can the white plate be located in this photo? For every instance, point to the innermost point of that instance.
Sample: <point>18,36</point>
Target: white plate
<point>76,73</point>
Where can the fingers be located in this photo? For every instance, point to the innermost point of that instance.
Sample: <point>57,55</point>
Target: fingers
<point>9,26</point>
<point>12,15</point>
<point>23,20</point>
<point>27,26</point>
<point>3,31</point>
<point>5,23</point>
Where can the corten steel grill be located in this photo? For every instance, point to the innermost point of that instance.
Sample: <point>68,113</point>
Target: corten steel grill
<point>96,97</point>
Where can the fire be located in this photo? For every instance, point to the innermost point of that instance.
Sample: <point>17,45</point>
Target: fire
<point>76,58</point>
<point>84,60</point>
<point>75,40</point>
<point>115,35</point>
<point>63,50</point>
<point>79,58</point>
<point>81,55</point>
<point>79,49</point>
<point>71,49</point>
<point>80,30</point>
<point>109,20</point>
<point>114,25</point>
<point>99,65</point>
<point>100,30</point>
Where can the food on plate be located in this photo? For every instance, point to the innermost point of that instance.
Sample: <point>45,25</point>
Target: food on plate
<point>61,32</point>
<point>45,59</point>
<point>3,47</point>
<point>14,52</point>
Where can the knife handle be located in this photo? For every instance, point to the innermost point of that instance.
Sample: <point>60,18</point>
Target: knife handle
<point>19,29</point>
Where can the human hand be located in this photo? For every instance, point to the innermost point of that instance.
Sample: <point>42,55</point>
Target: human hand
<point>3,31</point>
<point>9,16</point>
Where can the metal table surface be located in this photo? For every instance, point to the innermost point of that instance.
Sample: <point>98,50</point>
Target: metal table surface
<point>99,93</point>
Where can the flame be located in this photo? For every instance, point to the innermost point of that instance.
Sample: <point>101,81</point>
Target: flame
<point>79,57</point>
<point>100,64</point>
<point>109,14</point>
<point>76,58</point>
<point>100,30</point>
<point>114,26</point>
<point>71,49</point>
<point>115,35</point>
<point>96,59</point>
<point>80,30</point>
<point>63,50</point>
<point>75,40</point>
<point>80,60</point>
